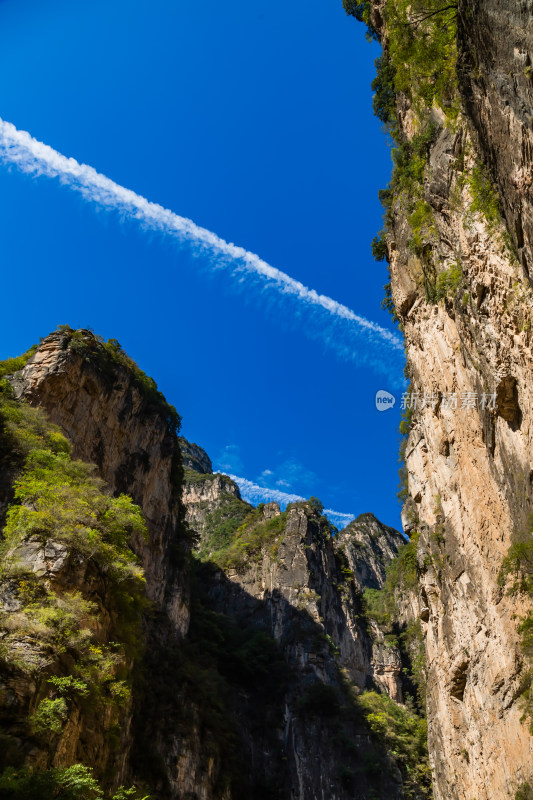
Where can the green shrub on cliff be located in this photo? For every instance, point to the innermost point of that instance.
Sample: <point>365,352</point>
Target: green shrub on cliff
<point>76,782</point>
<point>11,365</point>
<point>250,538</point>
<point>50,716</point>
<point>60,499</point>
<point>422,45</point>
<point>405,734</point>
<point>448,282</point>
<point>517,572</point>
<point>60,504</point>
<point>524,792</point>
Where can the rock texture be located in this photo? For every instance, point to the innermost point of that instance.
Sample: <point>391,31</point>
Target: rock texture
<point>300,595</point>
<point>370,547</point>
<point>470,463</point>
<point>111,424</point>
<point>194,457</point>
<point>204,495</point>
<point>250,674</point>
<point>497,86</point>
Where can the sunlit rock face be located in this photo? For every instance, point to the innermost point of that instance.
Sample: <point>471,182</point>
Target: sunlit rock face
<point>470,465</point>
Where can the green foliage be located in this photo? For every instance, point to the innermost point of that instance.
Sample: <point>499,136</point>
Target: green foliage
<point>422,49</point>
<point>524,792</point>
<point>68,685</point>
<point>249,539</point>
<point>11,365</point>
<point>316,505</point>
<point>517,571</point>
<point>23,429</point>
<point>384,100</point>
<point>222,523</point>
<point>60,499</point>
<point>76,782</point>
<point>422,225</point>
<point>448,282</point>
<point>379,246</point>
<point>387,304</point>
<point>405,734</point>
<point>404,429</point>
<point>402,571</point>
<point>518,563</point>
<point>50,716</point>
<point>484,196</point>
<point>419,60</point>
<point>360,9</point>
<point>381,605</point>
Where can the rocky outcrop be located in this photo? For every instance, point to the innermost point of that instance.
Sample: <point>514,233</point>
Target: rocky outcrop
<point>194,457</point>
<point>100,407</point>
<point>210,501</point>
<point>370,547</point>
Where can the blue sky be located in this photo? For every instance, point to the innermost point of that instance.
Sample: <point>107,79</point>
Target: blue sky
<point>256,123</point>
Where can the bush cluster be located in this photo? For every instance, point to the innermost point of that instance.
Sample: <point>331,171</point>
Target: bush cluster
<point>76,782</point>
<point>517,573</point>
<point>60,501</point>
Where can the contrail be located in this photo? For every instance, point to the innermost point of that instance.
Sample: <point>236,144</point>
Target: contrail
<point>31,156</point>
<point>253,493</point>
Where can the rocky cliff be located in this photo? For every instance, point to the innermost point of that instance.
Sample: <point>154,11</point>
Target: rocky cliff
<point>370,548</point>
<point>247,668</point>
<point>454,88</point>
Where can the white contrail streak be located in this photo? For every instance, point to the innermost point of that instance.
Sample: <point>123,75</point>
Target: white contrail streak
<point>20,149</point>
<point>253,493</point>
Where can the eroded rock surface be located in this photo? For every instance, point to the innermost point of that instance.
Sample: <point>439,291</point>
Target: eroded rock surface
<point>469,454</point>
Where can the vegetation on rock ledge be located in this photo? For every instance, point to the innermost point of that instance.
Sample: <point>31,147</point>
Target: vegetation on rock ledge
<point>60,508</point>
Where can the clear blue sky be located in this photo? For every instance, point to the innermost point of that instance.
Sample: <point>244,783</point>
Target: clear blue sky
<point>255,121</point>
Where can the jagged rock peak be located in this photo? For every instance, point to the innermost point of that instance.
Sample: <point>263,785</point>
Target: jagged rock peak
<point>195,457</point>
<point>370,547</point>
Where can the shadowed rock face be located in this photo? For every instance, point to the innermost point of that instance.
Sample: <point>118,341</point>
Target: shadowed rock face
<point>370,547</point>
<point>296,592</point>
<point>471,467</point>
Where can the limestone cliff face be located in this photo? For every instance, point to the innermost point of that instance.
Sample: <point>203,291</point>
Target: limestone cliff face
<point>109,423</point>
<point>210,498</point>
<point>470,460</point>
